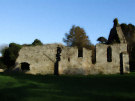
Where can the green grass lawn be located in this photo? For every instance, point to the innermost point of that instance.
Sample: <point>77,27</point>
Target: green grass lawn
<point>22,87</point>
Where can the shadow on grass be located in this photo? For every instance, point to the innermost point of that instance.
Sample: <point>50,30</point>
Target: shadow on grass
<point>65,88</point>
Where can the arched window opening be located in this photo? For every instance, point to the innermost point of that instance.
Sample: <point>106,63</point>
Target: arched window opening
<point>80,52</point>
<point>109,54</point>
<point>25,66</point>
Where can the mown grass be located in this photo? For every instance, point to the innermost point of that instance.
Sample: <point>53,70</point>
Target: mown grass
<point>22,87</point>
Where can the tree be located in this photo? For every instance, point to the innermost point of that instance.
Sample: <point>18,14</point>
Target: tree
<point>102,40</point>
<point>37,42</point>
<point>10,54</point>
<point>77,37</point>
<point>2,65</point>
<point>129,33</point>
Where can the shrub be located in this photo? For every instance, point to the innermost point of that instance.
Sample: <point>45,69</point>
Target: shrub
<point>37,42</point>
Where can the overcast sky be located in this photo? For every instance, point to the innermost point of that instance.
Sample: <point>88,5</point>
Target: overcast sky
<point>22,21</point>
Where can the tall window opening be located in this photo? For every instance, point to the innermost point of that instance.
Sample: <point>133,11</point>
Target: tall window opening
<point>109,54</point>
<point>94,55</point>
<point>80,52</point>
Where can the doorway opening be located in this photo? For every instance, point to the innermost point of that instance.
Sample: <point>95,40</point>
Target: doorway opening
<point>25,66</point>
<point>121,63</point>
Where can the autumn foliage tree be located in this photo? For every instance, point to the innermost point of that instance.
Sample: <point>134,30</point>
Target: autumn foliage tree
<point>77,37</point>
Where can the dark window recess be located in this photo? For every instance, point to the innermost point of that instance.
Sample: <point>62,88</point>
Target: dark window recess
<point>94,55</point>
<point>109,54</point>
<point>80,52</point>
<point>25,66</point>
<point>68,59</point>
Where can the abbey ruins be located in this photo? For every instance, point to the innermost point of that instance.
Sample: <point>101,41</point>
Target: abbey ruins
<point>110,58</point>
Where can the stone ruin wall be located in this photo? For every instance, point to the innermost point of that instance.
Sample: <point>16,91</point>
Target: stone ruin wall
<point>72,64</point>
<point>103,66</point>
<point>126,67</point>
<point>42,59</point>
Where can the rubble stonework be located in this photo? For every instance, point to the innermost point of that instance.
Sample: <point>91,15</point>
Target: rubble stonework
<point>42,59</point>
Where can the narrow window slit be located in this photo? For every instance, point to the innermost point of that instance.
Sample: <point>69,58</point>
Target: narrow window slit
<point>109,54</point>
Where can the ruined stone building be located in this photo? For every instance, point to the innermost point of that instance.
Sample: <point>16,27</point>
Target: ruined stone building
<point>111,58</point>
